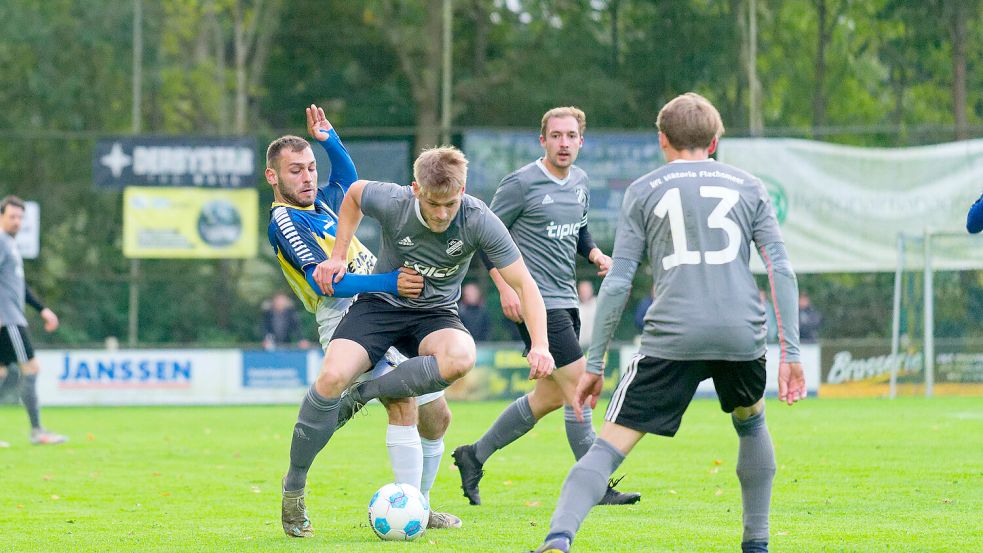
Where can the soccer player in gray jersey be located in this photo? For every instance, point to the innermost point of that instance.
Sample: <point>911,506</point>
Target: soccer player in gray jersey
<point>694,219</point>
<point>544,205</point>
<point>434,228</point>
<point>15,342</point>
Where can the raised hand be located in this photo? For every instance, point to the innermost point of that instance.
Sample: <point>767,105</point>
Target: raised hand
<point>317,124</point>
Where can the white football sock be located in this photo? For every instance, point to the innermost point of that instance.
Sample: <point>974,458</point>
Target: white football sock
<point>433,451</point>
<point>405,454</point>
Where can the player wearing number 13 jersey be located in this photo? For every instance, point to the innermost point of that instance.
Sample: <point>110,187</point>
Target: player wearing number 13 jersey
<point>693,220</point>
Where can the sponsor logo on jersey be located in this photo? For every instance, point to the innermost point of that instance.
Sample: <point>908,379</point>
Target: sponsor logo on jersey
<point>455,246</point>
<point>554,230</point>
<point>432,272</point>
<point>405,241</point>
<point>547,200</point>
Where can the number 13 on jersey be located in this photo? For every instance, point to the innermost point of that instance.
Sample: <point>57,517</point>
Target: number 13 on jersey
<point>671,204</point>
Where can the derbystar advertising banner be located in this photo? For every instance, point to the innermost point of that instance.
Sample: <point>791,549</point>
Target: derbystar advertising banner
<point>174,161</point>
<point>841,208</point>
<point>189,223</point>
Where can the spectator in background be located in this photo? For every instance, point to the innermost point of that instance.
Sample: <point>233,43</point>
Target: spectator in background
<point>974,220</point>
<point>772,321</point>
<point>281,324</point>
<point>809,320</point>
<point>588,305</point>
<point>473,312</point>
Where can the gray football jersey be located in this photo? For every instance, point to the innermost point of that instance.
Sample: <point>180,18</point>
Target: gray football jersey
<point>695,221</point>
<point>11,282</point>
<point>442,258</point>
<point>544,215</point>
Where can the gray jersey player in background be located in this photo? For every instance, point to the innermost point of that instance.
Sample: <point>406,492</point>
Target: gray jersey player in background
<point>15,341</point>
<point>544,205</point>
<point>694,219</point>
<point>434,228</point>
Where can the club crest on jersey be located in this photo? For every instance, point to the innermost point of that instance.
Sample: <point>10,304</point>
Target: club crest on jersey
<point>455,246</point>
<point>581,197</point>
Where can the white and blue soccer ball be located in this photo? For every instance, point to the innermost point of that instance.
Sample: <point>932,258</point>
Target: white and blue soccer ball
<point>399,512</point>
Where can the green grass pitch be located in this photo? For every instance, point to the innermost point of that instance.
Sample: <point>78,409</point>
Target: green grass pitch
<point>854,475</point>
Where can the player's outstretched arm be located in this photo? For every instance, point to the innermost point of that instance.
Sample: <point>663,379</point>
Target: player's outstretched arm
<point>785,297</point>
<point>974,219</point>
<point>327,273</point>
<point>517,276</point>
<point>404,281</point>
<point>343,172</point>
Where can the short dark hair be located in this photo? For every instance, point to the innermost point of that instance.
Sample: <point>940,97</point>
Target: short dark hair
<point>288,142</point>
<point>10,200</point>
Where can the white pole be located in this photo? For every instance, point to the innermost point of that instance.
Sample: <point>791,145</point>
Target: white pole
<point>134,299</point>
<point>445,108</point>
<point>896,318</point>
<point>929,345</point>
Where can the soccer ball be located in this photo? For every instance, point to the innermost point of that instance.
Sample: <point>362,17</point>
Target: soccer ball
<point>399,512</point>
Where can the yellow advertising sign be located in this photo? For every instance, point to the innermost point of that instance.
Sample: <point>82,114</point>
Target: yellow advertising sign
<point>183,223</point>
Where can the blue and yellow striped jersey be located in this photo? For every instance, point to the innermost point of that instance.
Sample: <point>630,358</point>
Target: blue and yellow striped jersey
<point>302,237</point>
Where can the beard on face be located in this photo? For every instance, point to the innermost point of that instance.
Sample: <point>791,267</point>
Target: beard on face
<point>294,198</point>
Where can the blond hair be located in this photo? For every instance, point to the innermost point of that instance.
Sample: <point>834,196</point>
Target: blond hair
<point>568,111</point>
<point>286,142</point>
<point>440,171</point>
<point>689,122</point>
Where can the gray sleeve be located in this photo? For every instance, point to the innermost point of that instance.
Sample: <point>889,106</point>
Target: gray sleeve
<point>765,230</point>
<point>611,300</point>
<point>785,296</point>
<point>378,199</point>
<point>509,200</point>
<point>629,240</point>
<point>494,239</point>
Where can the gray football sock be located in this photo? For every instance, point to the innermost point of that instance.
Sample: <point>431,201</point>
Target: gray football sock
<point>580,435</point>
<point>584,487</point>
<point>514,421</point>
<point>316,422</point>
<point>756,471</point>
<point>29,397</point>
<point>414,377</point>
